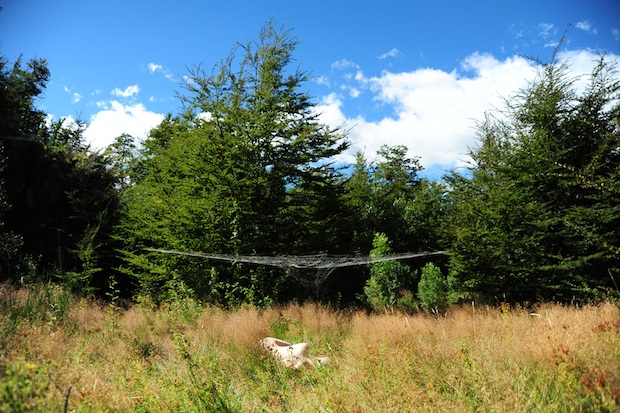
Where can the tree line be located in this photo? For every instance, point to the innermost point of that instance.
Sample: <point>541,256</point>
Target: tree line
<point>247,168</point>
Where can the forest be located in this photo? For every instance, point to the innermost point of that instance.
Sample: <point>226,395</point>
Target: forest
<point>246,168</point>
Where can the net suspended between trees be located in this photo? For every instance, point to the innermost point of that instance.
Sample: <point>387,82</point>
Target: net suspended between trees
<point>324,264</point>
<point>316,261</point>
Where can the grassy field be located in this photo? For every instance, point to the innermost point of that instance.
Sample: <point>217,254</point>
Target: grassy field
<point>60,353</point>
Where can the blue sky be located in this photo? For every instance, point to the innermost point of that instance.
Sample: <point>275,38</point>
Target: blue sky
<point>414,73</point>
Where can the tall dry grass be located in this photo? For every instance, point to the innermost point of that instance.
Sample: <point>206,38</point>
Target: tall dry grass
<point>186,357</point>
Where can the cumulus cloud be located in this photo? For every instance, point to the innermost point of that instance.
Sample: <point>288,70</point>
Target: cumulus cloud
<point>205,116</point>
<point>329,110</point>
<point>128,92</point>
<point>116,119</point>
<point>68,121</point>
<point>435,112</point>
<point>615,34</point>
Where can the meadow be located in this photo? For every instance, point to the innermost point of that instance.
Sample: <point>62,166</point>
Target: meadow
<point>59,352</point>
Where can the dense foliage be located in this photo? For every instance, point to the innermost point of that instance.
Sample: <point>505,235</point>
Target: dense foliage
<point>59,201</point>
<point>247,168</point>
<point>387,278</point>
<point>539,217</point>
<point>433,289</point>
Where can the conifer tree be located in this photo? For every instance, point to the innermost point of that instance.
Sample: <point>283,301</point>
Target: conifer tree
<point>245,170</point>
<point>58,198</point>
<point>539,219</point>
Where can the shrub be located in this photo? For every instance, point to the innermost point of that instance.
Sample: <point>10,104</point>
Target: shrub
<point>23,387</point>
<point>433,289</point>
<point>386,277</point>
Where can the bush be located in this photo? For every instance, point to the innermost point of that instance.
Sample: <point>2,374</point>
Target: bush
<point>433,289</point>
<point>24,387</point>
<point>386,277</point>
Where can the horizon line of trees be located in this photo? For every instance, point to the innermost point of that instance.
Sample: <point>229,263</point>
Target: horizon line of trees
<point>246,169</point>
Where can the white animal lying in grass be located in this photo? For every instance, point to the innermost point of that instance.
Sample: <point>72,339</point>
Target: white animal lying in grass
<point>292,355</point>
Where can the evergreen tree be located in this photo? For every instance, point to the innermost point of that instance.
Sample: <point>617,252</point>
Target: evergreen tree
<point>120,158</point>
<point>378,194</point>
<point>19,89</point>
<point>539,219</point>
<point>387,196</point>
<point>245,170</point>
<point>60,198</point>
<point>12,260</point>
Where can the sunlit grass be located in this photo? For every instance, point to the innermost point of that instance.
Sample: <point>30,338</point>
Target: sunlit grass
<point>187,357</point>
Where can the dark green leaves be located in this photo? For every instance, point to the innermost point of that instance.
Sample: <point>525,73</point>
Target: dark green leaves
<point>244,171</point>
<point>539,218</point>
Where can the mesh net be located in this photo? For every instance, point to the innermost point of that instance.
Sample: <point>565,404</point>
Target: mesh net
<point>311,271</point>
<point>316,261</point>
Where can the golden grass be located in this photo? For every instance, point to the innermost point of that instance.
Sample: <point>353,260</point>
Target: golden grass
<point>185,357</point>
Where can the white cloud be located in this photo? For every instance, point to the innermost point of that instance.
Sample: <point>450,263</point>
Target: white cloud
<point>67,121</point>
<point>128,92</point>
<point>330,112</point>
<point>586,26</point>
<point>343,64</point>
<point>392,53</point>
<point>321,80</point>
<point>582,62</point>
<point>546,29</point>
<point>205,116</point>
<point>116,119</point>
<point>615,34</point>
<point>354,92</point>
<point>154,67</point>
<point>75,97</point>
<point>434,111</point>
